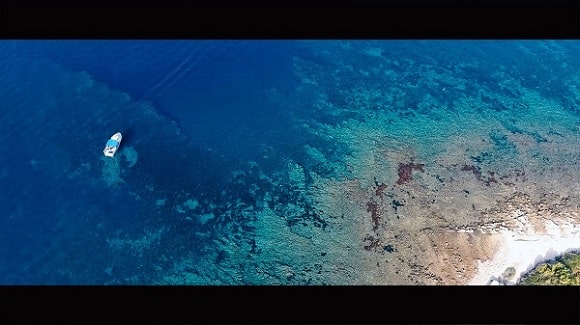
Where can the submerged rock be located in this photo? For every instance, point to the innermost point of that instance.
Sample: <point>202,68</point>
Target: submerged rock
<point>131,155</point>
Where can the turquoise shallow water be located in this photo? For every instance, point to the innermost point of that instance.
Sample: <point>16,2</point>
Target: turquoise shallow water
<point>218,137</point>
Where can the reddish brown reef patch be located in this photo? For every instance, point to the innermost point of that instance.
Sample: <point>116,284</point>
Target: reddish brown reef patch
<point>479,176</point>
<point>406,172</point>
<point>373,208</point>
<point>380,189</point>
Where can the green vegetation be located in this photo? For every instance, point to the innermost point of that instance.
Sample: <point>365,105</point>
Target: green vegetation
<point>564,270</point>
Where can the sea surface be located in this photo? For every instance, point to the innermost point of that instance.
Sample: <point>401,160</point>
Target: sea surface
<point>234,152</point>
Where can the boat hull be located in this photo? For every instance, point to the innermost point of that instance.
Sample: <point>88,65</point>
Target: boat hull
<point>113,145</point>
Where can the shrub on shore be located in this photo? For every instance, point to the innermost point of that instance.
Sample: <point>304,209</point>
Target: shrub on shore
<point>564,270</point>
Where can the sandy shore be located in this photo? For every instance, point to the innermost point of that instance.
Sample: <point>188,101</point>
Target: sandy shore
<point>523,248</point>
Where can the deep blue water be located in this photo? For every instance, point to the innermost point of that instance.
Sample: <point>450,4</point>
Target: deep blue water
<point>226,98</point>
<point>214,92</point>
<point>205,86</point>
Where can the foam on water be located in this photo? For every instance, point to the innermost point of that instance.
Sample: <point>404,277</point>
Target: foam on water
<point>523,248</point>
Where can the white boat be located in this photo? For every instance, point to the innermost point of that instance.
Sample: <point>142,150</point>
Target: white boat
<point>113,144</point>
